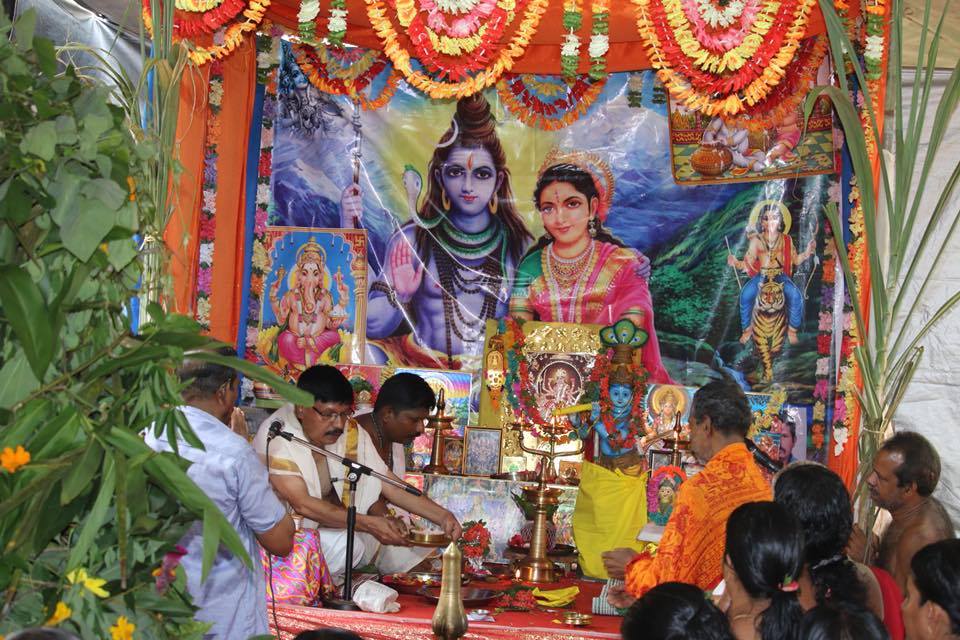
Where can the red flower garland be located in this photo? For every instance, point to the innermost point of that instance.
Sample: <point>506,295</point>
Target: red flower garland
<point>475,540</point>
<point>316,71</point>
<point>188,24</point>
<point>723,83</point>
<point>528,107</point>
<point>792,90</point>
<point>456,68</point>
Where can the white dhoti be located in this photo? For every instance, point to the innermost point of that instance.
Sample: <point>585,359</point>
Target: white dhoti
<point>333,542</point>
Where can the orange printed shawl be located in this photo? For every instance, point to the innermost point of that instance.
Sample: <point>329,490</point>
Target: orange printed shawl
<point>691,549</point>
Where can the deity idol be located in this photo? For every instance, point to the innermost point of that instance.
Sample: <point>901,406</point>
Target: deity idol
<point>612,456</point>
<point>579,272</point>
<point>610,511</point>
<point>449,269</point>
<point>771,255</point>
<point>306,313</point>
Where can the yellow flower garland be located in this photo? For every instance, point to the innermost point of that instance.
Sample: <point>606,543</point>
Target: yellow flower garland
<point>732,104</point>
<point>406,11</point>
<point>317,80</point>
<point>456,46</point>
<point>730,60</point>
<point>353,71</point>
<point>232,38</point>
<point>377,13</point>
<point>533,119</point>
<point>197,6</point>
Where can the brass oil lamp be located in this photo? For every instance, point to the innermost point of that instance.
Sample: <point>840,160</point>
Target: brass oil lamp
<point>537,567</point>
<point>440,424</point>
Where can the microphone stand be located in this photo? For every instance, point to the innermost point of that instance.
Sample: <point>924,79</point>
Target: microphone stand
<point>354,471</point>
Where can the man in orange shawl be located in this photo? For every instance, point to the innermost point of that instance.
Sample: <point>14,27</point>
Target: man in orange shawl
<point>691,549</point>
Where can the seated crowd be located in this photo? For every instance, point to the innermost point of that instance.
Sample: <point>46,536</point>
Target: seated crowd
<point>736,559</point>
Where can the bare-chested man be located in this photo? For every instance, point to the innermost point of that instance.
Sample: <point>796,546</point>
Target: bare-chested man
<point>905,473</point>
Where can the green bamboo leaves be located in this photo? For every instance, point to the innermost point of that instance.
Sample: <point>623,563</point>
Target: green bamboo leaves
<point>904,245</point>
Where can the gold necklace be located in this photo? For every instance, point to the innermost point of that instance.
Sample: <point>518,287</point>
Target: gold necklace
<point>567,271</point>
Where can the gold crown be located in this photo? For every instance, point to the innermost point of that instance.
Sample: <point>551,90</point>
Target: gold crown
<point>590,163</point>
<point>309,249</point>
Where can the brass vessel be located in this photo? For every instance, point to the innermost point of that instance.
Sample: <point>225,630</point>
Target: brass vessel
<point>440,423</point>
<point>449,618</point>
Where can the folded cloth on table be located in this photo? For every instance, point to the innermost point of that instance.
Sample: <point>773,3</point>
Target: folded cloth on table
<point>556,597</point>
<point>600,605</point>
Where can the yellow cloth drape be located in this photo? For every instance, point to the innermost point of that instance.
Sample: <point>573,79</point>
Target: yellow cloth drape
<point>610,511</point>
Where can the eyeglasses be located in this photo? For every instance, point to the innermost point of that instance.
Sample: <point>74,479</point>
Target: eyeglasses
<point>329,416</point>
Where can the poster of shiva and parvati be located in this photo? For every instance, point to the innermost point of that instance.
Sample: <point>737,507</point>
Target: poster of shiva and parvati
<point>471,215</point>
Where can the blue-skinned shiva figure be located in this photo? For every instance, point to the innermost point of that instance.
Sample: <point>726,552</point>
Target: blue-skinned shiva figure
<point>450,268</point>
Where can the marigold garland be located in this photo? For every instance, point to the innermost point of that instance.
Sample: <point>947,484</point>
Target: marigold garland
<point>346,64</point>
<point>787,96</point>
<point>517,376</point>
<point>197,6</point>
<point>507,54</point>
<point>311,63</point>
<point>470,51</point>
<point>772,14</point>
<point>228,32</point>
<point>600,378</point>
<point>521,95</point>
<point>461,25</point>
<point>727,92</point>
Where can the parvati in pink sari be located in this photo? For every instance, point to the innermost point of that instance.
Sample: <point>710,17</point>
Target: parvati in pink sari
<point>609,288</point>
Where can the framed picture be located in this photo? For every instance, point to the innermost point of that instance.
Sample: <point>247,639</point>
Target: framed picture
<point>657,458</point>
<point>453,454</point>
<point>308,299</point>
<point>456,390</point>
<point>707,149</point>
<point>481,451</point>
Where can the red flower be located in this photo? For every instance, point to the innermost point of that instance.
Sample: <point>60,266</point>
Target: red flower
<point>823,343</point>
<point>846,347</point>
<point>264,167</point>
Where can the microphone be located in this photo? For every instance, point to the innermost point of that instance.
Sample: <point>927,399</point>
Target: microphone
<point>276,429</point>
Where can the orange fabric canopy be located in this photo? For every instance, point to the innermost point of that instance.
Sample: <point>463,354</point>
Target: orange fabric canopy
<point>541,56</point>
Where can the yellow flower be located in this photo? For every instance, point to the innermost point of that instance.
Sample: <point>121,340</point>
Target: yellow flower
<point>11,459</point>
<point>94,585</point>
<point>123,630</point>
<point>61,613</point>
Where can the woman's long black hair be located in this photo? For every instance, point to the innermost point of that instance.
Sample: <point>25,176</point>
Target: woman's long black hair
<point>844,622</point>
<point>936,573</point>
<point>765,549</point>
<point>674,611</point>
<point>820,501</point>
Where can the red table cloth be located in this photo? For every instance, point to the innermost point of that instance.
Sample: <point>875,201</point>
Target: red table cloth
<point>412,622</point>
